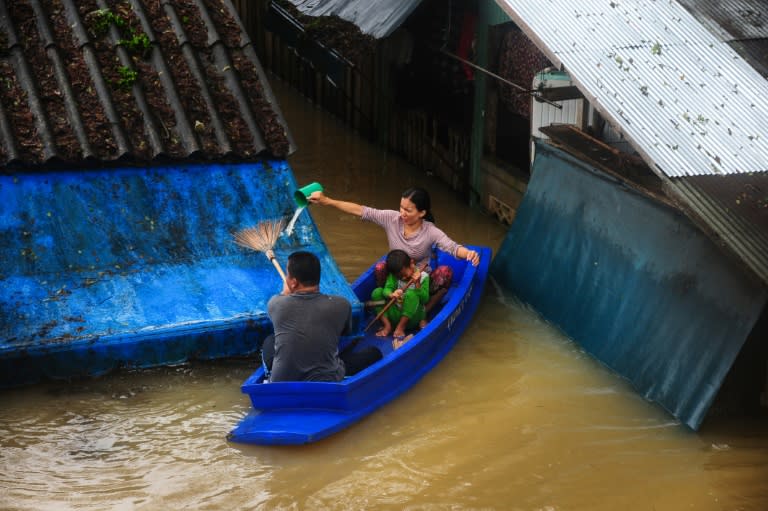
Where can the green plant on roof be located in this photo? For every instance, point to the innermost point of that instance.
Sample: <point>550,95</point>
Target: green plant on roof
<point>127,77</point>
<point>136,43</point>
<point>103,18</point>
<point>133,40</point>
<point>656,49</point>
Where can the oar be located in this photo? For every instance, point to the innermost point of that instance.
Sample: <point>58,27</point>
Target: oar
<point>393,299</point>
<point>262,238</point>
<point>381,313</point>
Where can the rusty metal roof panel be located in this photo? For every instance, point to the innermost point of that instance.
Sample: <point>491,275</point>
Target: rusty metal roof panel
<point>732,210</point>
<point>91,83</point>
<point>731,19</point>
<point>687,101</point>
<point>754,51</point>
<point>743,24</point>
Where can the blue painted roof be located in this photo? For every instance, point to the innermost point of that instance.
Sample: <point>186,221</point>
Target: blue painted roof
<point>137,266</point>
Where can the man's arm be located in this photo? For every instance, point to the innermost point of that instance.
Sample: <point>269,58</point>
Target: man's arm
<point>348,323</point>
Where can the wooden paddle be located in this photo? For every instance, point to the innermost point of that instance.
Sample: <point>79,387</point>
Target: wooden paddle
<point>411,281</point>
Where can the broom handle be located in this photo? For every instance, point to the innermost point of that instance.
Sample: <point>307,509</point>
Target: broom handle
<point>271,256</point>
<point>393,299</point>
<point>279,270</point>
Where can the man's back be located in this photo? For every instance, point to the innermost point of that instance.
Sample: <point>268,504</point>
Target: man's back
<point>307,329</point>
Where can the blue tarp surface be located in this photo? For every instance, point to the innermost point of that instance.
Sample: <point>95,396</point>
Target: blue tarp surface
<point>137,267</point>
<point>631,280</point>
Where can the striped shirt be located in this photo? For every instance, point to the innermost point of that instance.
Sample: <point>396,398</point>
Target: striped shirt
<point>418,245</point>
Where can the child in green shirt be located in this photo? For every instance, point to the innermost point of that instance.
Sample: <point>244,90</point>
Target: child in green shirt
<point>410,287</point>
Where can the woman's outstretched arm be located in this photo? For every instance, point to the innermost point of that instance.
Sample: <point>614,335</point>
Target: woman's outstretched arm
<point>347,207</point>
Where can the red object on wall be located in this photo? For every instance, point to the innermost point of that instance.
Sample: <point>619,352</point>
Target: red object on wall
<point>466,48</point>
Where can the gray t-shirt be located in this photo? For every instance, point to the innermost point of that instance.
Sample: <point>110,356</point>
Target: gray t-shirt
<point>307,329</point>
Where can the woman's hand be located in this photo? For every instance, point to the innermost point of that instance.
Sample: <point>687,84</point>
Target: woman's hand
<point>473,257</point>
<point>318,198</point>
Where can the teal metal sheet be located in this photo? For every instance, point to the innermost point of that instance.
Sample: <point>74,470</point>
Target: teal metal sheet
<point>631,280</point>
<point>136,267</point>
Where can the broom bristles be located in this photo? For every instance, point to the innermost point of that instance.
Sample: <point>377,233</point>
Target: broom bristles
<point>262,237</point>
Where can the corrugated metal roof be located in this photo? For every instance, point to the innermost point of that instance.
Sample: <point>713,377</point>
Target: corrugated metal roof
<point>92,82</point>
<point>692,107</point>
<point>734,209</point>
<point>688,102</point>
<point>378,19</point>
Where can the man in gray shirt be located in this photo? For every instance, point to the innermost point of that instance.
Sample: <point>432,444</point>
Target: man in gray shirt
<point>307,325</point>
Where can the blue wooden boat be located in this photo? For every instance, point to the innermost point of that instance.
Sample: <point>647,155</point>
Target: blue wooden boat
<point>304,412</point>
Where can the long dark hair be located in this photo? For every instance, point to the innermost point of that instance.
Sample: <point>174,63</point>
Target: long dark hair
<point>420,199</point>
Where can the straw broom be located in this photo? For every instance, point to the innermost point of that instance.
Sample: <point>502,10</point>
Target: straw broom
<point>262,238</point>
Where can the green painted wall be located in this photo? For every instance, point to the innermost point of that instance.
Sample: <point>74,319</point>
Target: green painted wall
<point>489,13</point>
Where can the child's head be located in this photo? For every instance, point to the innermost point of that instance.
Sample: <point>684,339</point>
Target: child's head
<point>399,264</point>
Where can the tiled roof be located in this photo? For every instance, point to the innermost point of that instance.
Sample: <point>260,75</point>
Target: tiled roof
<point>96,82</point>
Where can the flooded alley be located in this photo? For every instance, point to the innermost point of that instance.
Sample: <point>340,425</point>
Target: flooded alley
<point>516,417</point>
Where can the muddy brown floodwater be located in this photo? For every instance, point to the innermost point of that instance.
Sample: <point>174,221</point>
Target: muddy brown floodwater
<point>516,417</point>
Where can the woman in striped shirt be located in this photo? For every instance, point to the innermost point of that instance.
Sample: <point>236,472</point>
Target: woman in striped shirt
<point>411,229</point>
